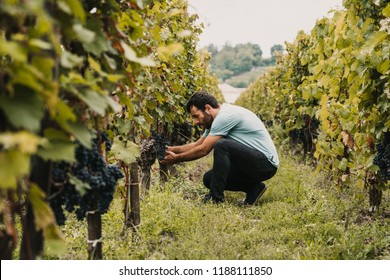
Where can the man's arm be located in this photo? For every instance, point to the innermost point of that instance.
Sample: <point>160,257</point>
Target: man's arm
<point>185,148</point>
<point>194,152</point>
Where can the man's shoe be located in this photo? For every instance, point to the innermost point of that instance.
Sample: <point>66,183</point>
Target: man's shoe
<point>209,198</point>
<point>253,196</point>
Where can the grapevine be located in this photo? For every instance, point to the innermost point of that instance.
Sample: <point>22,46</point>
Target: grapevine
<point>95,177</point>
<point>339,75</point>
<point>160,143</point>
<point>382,158</point>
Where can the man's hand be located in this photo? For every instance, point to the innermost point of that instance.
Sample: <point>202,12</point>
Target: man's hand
<point>170,158</point>
<point>202,147</point>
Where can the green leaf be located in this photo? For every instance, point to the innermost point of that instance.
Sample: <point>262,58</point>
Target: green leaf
<point>383,67</point>
<point>115,77</point>
<point>110,61</point>
<point>44,65</point>
<point>95,101</point>
<point>64,7</point>
<point>14,50</point>
<point>54,134</point>
<point>58,150</point>
<point>24,109</point>
<point>64,114</point>
<point>81,133</point>
<point>81,187</point>
<point>115,107</point>
<point>83,34</point>
<point>164,52</point>
<point>374,41</point>
<point>69,60</point>
<point>140,4</point>
<point>124,126</point>
<point>29,76</point>
<point>54,242</point>
<point>174,12</point>
<point>96,66</point>
<point>125,151</point>
<point>40,44</point>
<point>43,214</point>
<point>14,164</point>
<point>386,11</point>
<point>24,141</point>
<point>100,44</point>
<point>131,55</point>
<point>74,6</point>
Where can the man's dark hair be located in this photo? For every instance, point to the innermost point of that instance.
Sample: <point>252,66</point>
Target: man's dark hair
<point>200,98</point>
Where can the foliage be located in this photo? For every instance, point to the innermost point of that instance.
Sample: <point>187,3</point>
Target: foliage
<point>73,68</point>
<point>86,186</point>
<point>339,75</point>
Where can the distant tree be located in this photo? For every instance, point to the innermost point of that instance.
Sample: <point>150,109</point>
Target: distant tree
<point>231,60</point>
<point>238,59</point>
<point>212,49</point>
<point>275,49</point>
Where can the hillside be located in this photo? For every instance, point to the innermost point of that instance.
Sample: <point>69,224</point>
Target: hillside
<point>243,80</point>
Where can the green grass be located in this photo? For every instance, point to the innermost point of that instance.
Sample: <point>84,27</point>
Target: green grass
<point>302,215</point>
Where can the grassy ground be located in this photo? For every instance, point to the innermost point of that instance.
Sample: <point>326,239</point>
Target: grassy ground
<point>301,216</point>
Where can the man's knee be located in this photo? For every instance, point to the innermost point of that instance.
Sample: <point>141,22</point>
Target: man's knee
<point>207,179</point>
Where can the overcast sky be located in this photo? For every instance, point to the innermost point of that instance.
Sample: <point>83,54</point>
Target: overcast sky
<point>263,22</point>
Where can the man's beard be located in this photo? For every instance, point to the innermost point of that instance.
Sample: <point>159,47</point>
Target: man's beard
<point>208,120</point>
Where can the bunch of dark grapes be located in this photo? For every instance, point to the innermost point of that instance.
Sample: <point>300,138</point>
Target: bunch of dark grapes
<point>148,153</point>
<point>89,168</point>
<point>182,133</point>
<point>160,143</point>
<point>382,158</point>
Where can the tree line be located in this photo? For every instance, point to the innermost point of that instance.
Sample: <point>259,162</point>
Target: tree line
<point>231,60</point>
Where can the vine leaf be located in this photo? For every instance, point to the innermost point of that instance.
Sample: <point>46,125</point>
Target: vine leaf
<point>57,150</point>
<point>74,6</point>
<point>373,42</point>
<point>131,55</point>
<point>386,11</point>
<point>14,164</point>
<point>95,101</point>
<point>125,151</point>
<point>43,214</point>
<point>347,139</point>
<point>81,133</point>
<point>84,35</point>
<point>23,110</point>
<point>69,60</point>
<point>25,141</point>
<point>81,187</point>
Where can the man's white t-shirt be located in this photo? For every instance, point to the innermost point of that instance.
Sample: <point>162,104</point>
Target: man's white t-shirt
<point>240,124</point>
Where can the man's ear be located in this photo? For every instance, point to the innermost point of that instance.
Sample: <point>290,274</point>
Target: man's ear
<point>207,108</point>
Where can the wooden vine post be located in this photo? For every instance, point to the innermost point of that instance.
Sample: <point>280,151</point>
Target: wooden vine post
<point>94,221</point>
<point>134,219</point>
<point>132,204</point>
<point>94,218</point>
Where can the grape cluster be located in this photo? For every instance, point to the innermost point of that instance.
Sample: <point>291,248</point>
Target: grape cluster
<point>160,144</point>
<point>182,133</point>
<point>148,153</point>
<point>382,158</point>
<point>306,134</point>
<point>90,168</point>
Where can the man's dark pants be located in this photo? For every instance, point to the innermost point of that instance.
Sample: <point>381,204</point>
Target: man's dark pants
<point>236,167</point>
